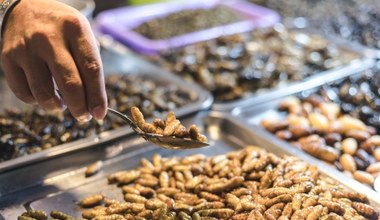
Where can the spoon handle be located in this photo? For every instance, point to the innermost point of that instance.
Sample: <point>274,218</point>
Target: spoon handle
<point>124,117</point>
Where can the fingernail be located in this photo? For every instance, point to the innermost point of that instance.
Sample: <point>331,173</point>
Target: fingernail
<point>98,112</point>
<point>84,118</point>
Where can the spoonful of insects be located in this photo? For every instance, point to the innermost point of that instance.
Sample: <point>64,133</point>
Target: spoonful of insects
<point>170,134</point>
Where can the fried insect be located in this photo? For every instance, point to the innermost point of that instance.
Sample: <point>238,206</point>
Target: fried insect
<point>186,186</point>
<point>227,186</point>
<point>92,213</point>
<point>332,206</point>
<point>138,118</point>
<point>36,214</point>
<point>109,217</point>
<point>217,213</point>
<point>191,184</point>
<point>93,168</point>
<point>279,199</point>
<point>92,200</point>
<point>159,123</point>
<point>209,196</point>
<point>366,210</point>
<point>118,208</point>
<point>196,158</point>
<point>171,124</point>
<point>255,215</point>
<point>127,177</point>
<point>196,134</point>
<point>134,198</point>
<point>60,215</point>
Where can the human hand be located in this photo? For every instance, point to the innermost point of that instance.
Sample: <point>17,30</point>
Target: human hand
<point>46,39</point>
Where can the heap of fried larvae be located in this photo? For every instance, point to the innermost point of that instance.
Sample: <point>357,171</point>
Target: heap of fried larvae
<point>170,127</point>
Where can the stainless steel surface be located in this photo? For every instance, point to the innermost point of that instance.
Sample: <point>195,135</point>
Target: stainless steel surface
<point>115,61</point>
<point>169,142</point>
<point>61,188</point>
<point>253,115</point>
<point>290,88</point>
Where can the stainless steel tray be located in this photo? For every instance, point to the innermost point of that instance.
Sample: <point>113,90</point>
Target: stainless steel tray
<point>264,95</point>
<point>60,188</point>
<point>253,115</point>
<point>115,61</point>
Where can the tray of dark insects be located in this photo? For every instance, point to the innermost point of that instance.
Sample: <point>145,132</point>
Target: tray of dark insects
<point>336,122</point>
<point>253,67</point>
<point>230,179</point>
<point>354,22</point>
<point>29,134</point>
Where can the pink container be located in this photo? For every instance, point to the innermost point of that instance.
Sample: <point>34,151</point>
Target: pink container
<point>119,23</point>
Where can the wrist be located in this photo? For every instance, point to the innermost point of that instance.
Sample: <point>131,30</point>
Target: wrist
<point>5,8</point>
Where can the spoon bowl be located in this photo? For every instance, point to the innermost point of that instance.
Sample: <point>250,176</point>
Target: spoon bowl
<point>168,142</point>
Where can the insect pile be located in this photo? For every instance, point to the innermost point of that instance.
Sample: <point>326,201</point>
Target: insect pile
<point>170,127</point>
<point>246,184</point>
<point>320,128</point>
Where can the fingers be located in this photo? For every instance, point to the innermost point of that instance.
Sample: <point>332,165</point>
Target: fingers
<point>16,80</point>
<point>86,55</point>
<point>41,85</point>
<point>70,85</point>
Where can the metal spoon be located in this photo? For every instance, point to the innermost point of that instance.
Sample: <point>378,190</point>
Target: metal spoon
<point>169,142</point>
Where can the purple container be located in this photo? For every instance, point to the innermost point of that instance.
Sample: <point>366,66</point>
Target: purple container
<point>119,23</point>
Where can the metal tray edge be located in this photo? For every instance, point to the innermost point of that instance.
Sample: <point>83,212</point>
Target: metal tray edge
<point>310,82</point>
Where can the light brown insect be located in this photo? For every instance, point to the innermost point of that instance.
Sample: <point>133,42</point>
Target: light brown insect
<point>217,213</point>
<point>118,208</point>
<point>196,158</point>
<point>272,214</point>
<point>154,204</point>
<point>127,177</point>
<point>366,210</point>
<point>138,118</point>
<point>171,124</point>
<point>60,215</point>
<point>134,198</point>
<point>285,198</point>
<point>35,214</point>
<point>332,206</point>
<point>196,134</point>
<point>191,184</point>
<point>92,200</point>
<point>93,168</point>
<point>209,196</point>
<point>92,213</point>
